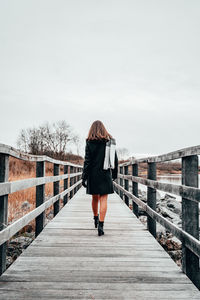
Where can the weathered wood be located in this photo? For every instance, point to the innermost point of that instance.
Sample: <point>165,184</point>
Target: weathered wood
<point>5,149</point>
<point>56,188</point>
<point>135,189</point>
<point>4,174</point>
<point>151,198</point>
<point>191,243</point>
<point>191,193</point>
<point>71,181</point>
<point>121,181</point>
<point>75,180</point>
<point>195,150</point>
<point>40,198</point>
<point>117,181</point>
<point>8,232</point>
<point>126,186</point>
<point>113,266</point>
<point>66,171</point>
<point>18,185</point>
<point>190,218</point>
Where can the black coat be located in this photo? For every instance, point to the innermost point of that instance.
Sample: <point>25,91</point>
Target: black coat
<point>99,181</point>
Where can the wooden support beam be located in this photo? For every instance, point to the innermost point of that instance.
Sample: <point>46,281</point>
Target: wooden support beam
<point>56,188</point>
<point>135,188</point>
<point>66,171</point>
<point>75,180</point>
<point>4,174</point>
<point>126,186</point>
<point>151,198</point>
<point>190,219</point>
<point>71,181</point>
<point>121,182</point>
<point>40,197</point>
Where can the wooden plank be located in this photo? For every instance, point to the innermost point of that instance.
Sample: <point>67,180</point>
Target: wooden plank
<point>191,193</point>
<point>97,294</point>
<point>191,243</point>
<point>18,185</point>
<point>93,286</point>
<point>75,263</point>
<point>8,150</point>
<point>8,232</point>
<point>195,150</point>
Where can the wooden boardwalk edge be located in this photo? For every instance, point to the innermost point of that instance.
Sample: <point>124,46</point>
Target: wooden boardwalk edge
<point>68,260</point>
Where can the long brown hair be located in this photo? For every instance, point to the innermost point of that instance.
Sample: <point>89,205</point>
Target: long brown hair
<point>98,131</point>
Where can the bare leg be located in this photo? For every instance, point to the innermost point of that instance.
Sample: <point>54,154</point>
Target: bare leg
<point>103,206</point>
<point>95,199</point>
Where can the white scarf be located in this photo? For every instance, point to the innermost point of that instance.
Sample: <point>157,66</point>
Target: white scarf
<point>109,160</point>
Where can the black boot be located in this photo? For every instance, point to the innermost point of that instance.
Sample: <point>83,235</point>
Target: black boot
<point>100,228</point>
<point>96,220</point>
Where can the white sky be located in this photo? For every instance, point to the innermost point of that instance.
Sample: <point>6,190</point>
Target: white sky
<point>134,64</point>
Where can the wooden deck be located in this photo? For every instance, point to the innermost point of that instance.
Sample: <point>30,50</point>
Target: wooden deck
<point>68,260</point>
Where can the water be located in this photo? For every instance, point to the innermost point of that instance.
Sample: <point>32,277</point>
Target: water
<point>174,179</point>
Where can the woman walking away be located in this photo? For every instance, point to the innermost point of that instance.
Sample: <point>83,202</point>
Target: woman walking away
<point>100,168</point>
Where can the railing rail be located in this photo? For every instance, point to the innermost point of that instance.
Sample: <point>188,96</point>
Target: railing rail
<point>71,171</point>
<point>189,191</point>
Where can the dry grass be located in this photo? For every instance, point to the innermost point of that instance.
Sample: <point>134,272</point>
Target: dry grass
<point>19,170</point>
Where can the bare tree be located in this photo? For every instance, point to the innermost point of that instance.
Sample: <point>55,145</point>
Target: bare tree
<point>122,153</point>
<point>47,139</point>
<point>78,142</point>
<point>23,140</point>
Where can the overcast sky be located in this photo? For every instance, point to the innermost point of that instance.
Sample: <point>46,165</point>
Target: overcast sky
<point>134,64</point>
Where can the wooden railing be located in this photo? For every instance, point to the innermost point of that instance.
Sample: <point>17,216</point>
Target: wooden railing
<point>189,191</point>
<point>71,171</point>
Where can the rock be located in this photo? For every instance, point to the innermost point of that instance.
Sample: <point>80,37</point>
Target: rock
<point>168,197</point>
<point>25,205</point>
<point>169,208</point>
<point>143,219</point>
<point>174,206</point>
<point>142,195</point>
<point>29,228</point>
<point>176,256</point>
<point>16,246</point>
<point>158,196</point>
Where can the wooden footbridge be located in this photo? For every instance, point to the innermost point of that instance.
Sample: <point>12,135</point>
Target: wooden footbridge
<point>68,260</point>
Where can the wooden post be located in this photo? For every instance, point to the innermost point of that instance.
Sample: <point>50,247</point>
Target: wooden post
<point>78,178</point>
<point>151,198</point>
<point>115,188</point>
<point>190,219</point>
<point>4,174</point>
<point>75,179</point>
<point>121,182</point>
<point>66,171</point>
<point>56,188</point>
<point>40,197</point>
<point>126,185</point>
<point>71,182</point>
<point>118,181</point>
<point>135,188</point>
<point>80,185</point>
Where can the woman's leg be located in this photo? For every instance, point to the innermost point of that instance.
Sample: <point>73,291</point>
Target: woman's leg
<point>95,199</point>
<point>103,206</point>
